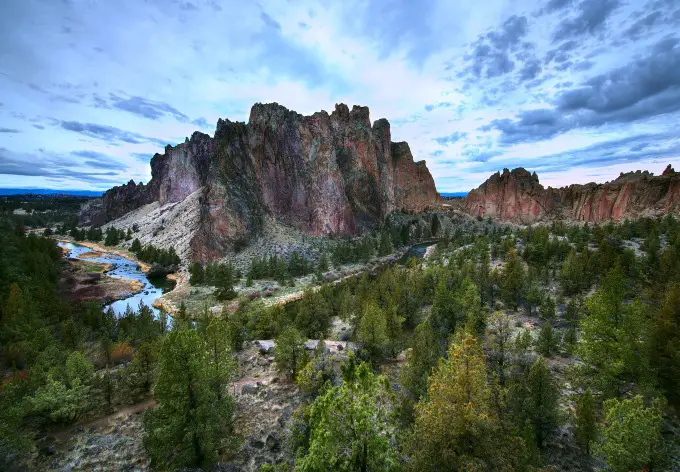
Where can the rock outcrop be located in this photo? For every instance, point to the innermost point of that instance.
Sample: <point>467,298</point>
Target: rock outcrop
<point>323,174</point>
<point>518,196</point>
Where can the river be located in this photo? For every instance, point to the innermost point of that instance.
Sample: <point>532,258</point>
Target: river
<point>127,269</point>
<point>417,251</point>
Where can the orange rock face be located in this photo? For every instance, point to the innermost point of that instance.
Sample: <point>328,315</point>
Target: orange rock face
<point>518,196</point>
<point>325,174</point>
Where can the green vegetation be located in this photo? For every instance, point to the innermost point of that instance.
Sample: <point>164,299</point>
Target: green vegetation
<point>472,360</point>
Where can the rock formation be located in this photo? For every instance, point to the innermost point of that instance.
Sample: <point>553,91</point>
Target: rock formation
<point>322,174</point>
<point>518,196</point>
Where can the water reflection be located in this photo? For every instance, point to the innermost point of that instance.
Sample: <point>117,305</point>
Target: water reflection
<point>125,268</point>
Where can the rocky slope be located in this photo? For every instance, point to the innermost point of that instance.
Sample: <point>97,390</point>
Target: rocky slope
<point>322,174</point>
<point>518,196</point>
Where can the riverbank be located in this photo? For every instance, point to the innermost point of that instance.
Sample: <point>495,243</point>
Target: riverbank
<point>87,281</point>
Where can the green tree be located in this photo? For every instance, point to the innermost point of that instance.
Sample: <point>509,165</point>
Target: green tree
<point>221,365</point>
<point>455,427</point>
<point>64,397</point>
<point>512,279</point>
<point>143,365</point>
<point>351,426</point>
<point>373,330</point>
<point>665,344</point>
<point>197,274</point>
<point>613,335</point>
<point>543,397</point>
<point>631,436</point>
<point>547,342</point>
<point>421,359</point>
<point>533,297</point>
<point>290,351</point>
<point>547,308</point>
<point>499,335</point>
<point>317,371</point>
<point>187,426</point>
<point>585,424</point>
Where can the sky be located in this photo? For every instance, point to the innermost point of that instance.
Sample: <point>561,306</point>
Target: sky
<point>576,90</point>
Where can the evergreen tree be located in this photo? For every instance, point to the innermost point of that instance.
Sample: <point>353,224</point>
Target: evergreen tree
<point>136,246</point>
<point>585,425</point>
<point>665,344</point>
<point>543,397</point>
<point>422,358</point>
<point>187,426</point>
<point>455,428</point>
<point>290,354</point>
<point>351,426</point>
<point>613,335</point>
<point>547,342</point>
<point>499,335</point>
<point>373,331</point>
<point>197,274</point>
<point>512,279</point>
<point>631,436</point>
<point>533,297</point>
<point>221,365</point>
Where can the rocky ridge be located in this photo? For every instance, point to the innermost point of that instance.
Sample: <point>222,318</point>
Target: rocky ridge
<point>324,174</point>
<point>518,196</point>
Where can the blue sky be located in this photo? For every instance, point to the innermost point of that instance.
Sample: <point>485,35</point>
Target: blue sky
<point>577,90</point>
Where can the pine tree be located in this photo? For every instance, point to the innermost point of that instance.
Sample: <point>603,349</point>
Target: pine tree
<point>351,426</point>
<point>373,331</point>
<point>221,365</point>
<point>188,424</point>
<point>585,425</point>
<point>631,436</point>
<point>290,354</point>
<point>547,342</point>
<point>499,335</point>
<point>197,274</point>
<point>455,428</point>
<point>422,358</point>
<point>512,279</point>
<point>543,397</point>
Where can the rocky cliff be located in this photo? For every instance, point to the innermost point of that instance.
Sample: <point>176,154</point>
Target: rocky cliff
<point>323,174</point>
<point>518,196</point>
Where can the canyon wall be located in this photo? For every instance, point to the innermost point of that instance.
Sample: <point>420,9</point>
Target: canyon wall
<point>518,196</point>
<point>325,174</point>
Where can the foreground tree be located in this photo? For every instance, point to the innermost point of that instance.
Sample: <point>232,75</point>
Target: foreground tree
<point>188,425</point>
<point>631,437</point>
<point>350,426</point>
<point>613,335</point>
<point>455,427</point>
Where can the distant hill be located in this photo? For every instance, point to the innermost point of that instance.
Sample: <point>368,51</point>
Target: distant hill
<point>453,194</point>
<point>47,191</point>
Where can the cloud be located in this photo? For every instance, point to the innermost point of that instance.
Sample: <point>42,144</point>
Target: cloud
<point>530,70</point>
<point>144,108</point>
<point>438,105</point>
<point>491,56</point>
<point>612,152</point>
<point>450,139</point>
<point>109,134</point>
<point>641,26</point>
<point>201,123</point>
<point>643,89</point>
<point>99,160</point>
<point>591,19</point>
<point>9,130</point>
<point>49,165</point>
<point>556,5</point>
